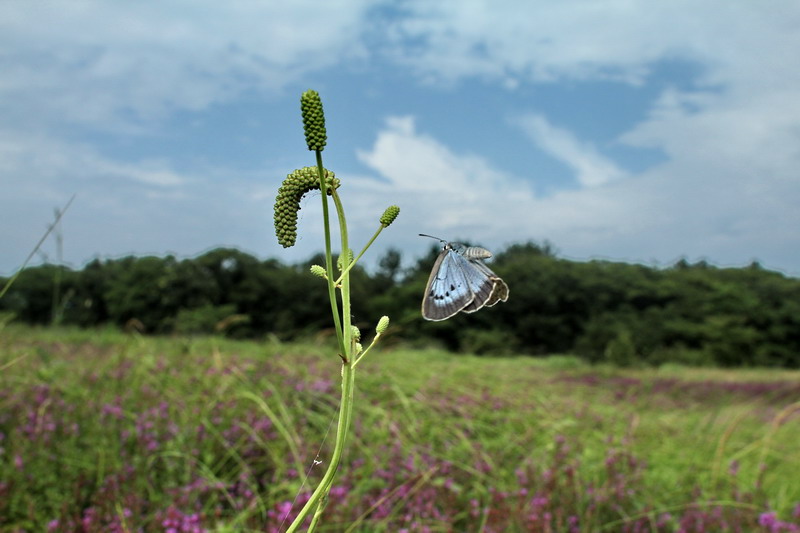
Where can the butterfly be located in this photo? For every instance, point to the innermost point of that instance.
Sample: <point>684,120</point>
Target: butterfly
<point>460,281</point>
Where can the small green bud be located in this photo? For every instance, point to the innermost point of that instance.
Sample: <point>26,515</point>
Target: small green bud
<point>383,324</point>
<point>313,120</point>
<point>359,348</point>
<point>319,271</point>
<point>389,215</point>
<point>356,333</point>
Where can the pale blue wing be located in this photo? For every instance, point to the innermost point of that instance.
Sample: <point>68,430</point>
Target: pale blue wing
<point>448,290</point>
<point>479,283</point>
<point>460,281</point>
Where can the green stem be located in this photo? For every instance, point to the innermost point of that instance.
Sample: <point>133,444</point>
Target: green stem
<point>51,227</point>
<point>345,335</point>
<point>323,503</point>
<point>348,371</point>
<point>323,186</point>
<point>348,378</point>
<point>351,265</point>
<point>368,348</point>
<point>345,278</point>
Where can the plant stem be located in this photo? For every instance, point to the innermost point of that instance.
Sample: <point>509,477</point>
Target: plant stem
<point>50,228</point>
<point>348,377</point>
<point>323,186</point>
<point>345,277</point>
<point>323,502</point>
<point>351,265</point>
<point>344,333</point>
<point>360,356</point>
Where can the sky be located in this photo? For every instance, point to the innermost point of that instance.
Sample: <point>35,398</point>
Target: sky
<point>642,131</point>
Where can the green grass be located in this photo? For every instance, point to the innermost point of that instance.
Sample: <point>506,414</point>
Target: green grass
<point>104,431</point>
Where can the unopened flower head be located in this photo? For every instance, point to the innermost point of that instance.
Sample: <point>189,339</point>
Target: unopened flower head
<point>318,271</point>
<point>389,215</point>
<point>383,325</point>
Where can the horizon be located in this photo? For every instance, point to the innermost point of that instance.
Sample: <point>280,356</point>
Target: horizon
<point>370,264</point>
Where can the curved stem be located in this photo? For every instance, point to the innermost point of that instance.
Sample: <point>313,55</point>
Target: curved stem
<point>348,370</point>
<point>345,277</point>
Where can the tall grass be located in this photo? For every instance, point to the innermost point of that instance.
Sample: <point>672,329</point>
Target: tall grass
<point>102,431</point>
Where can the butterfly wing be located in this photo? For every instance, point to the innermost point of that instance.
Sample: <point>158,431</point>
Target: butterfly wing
<point>448,290</point>
<point>499,292</point>
<point>481,284</point>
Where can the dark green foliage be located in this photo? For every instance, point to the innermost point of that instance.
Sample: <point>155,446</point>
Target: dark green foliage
<point>30,298</point>
<point>618,313</point>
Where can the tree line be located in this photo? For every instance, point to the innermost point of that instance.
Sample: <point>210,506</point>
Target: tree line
<point>626,314</point>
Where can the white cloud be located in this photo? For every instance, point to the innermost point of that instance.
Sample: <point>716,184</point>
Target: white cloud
<point>147,172</point>
<point>742,105</point>
<point>728,189</point>
<point>120,207</point>
<point>104,63</point>
<point>613,39</point>
<point>731,134</point>
<point>446,191</point>
<point>662,214</point>
<point>52,162</point>
<point>119,68</point>
<point>590,167</point>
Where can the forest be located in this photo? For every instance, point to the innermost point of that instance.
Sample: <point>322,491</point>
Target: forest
<point>618,313</point>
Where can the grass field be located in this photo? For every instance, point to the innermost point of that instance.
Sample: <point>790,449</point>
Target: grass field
<point>103,431</point>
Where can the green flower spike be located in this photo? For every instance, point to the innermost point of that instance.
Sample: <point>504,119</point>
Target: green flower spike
<point>313,120</point>
<point>383,325</point>
<point>389,215</point>
<point>319,271</point>
<point>287,203</point>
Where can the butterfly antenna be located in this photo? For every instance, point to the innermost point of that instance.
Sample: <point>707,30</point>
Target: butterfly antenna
<point>432,237</point>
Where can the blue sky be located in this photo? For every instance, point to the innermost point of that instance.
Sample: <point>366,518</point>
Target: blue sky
<point>636,131</point>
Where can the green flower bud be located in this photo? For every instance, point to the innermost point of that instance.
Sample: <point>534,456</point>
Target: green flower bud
<point>287,203</point>
<point>383,324</point>
<point>359,348</point>
<point>319,271</point>
<point>356,333</point>
<point>313,120</point>
<point>389,215</point>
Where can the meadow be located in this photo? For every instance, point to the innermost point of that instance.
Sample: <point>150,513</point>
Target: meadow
<point>106,431</point>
